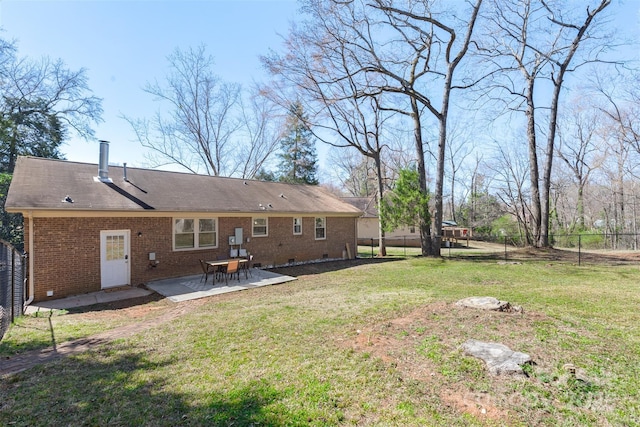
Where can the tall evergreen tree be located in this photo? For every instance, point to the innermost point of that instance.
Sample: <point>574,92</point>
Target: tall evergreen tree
<point>265,175</point>
<point>406,204</point>
<point>298,158</point>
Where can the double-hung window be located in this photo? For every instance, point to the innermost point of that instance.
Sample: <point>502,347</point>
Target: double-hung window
<point>321,228</point>
<point>260,227</point>
<point>297,226</point>
<point>195,233</point>
<point>207,233</point>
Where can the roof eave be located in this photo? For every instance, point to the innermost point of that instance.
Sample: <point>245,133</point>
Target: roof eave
<point>76,212</point>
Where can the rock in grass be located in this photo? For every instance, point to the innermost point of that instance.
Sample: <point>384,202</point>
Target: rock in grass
<point>500,359</point>
<point>485,303</point>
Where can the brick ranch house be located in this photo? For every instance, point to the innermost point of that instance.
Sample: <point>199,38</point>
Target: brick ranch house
<point>89,227</point>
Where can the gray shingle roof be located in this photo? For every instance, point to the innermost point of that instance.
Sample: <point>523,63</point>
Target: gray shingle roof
<point>365,204</point>
<point>45,184</point>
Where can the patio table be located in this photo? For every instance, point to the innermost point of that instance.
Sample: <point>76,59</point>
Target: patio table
<point>225,262</point>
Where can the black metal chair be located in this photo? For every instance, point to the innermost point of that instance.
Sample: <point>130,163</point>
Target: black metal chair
<point>246,266</point>
<point>206,270</point>
<point>220,270</point>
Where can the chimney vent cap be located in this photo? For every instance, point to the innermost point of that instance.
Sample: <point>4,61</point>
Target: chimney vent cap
<point>103,166</point>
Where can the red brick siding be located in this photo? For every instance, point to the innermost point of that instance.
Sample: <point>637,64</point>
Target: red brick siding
<point>67,250</point>
<point>282,245</point>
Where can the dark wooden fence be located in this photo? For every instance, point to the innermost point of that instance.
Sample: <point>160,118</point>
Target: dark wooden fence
<point>12,285</point>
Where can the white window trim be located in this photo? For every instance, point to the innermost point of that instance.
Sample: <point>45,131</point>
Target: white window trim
<point>196,232</point>
<point>299,233</point>
<point>266,219</point>
<point>315,228</point>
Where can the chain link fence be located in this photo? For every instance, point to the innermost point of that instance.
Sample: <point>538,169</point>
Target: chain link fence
<point>583,247</point>
<point>12,285</point>
<point>612,242</point>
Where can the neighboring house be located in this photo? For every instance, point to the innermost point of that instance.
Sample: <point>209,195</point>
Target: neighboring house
<point>369,224</point>
<point>90,227</point>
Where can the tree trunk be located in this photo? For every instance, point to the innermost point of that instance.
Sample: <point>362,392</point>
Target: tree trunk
<point>13,150</point>
<point>563,66</point>
<point>453,188</point>
<point>436,220</point>
<point>543,238</point>
<point>382,248</point>
<point>620,225</point>
<point>425,237</point>
<point>581,203</point>
<point>534,174</point>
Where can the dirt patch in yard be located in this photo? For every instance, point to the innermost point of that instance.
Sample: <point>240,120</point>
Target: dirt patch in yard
<point>424,345</point>
<point>129,308</point>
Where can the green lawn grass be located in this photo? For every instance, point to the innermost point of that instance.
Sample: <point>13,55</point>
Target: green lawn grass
<point>374,343</point>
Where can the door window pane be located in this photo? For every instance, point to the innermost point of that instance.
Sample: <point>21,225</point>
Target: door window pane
<point>114,247</point>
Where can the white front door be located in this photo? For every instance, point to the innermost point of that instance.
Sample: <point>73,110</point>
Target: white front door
<point>114,258</point>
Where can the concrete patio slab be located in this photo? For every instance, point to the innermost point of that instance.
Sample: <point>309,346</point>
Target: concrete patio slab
<point>88,299</point>
<point>192,287</point>
<point>176,289</point>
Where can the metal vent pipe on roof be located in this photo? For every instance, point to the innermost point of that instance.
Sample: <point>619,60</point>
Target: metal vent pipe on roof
<point>103,166</point>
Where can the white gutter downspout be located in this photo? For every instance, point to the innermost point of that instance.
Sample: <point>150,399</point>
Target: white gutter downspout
<point>32,292</point>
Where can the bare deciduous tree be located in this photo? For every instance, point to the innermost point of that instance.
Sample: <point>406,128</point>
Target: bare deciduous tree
<point>622,106</point>
<point>580,149</point>
<point>430,39</point>
<point>319,64</point>
<point>206,125</point>
<point>511,174</point>
<point>459,148</point>
<point>539,40</point>
<point>354,172</point>
<point>384,49</point>
<point>262,129</point>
